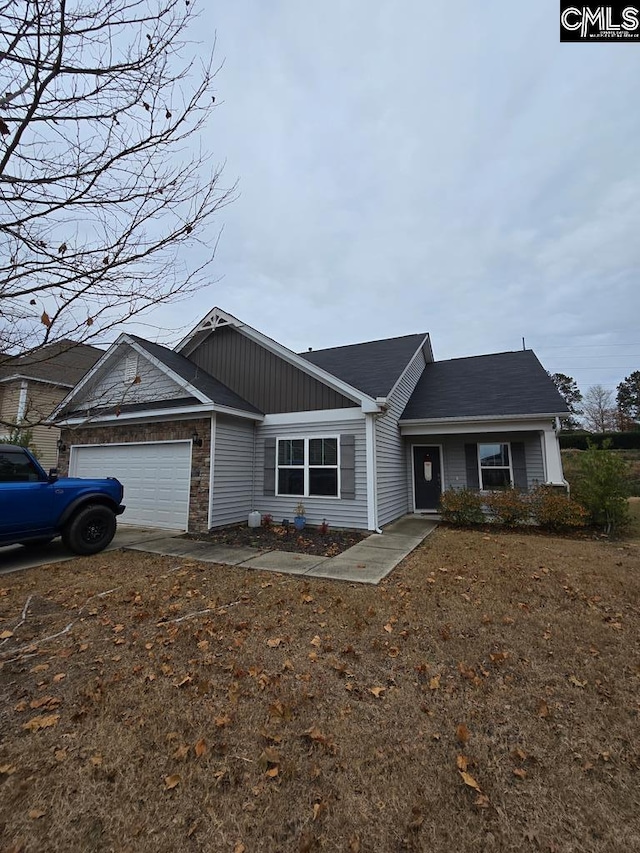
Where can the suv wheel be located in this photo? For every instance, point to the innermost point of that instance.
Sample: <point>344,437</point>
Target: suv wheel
<point>90,530</point>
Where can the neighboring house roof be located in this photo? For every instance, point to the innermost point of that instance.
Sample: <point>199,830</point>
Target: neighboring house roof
<point>63,362</point>
<point>195,376</point>
<point>499,385</point>
<point>373,367</point>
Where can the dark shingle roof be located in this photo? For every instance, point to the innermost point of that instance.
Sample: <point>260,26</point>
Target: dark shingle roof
<point>63,362</point>
<point>196,376</point>
<point>506,383</point>
<point>372,367</point>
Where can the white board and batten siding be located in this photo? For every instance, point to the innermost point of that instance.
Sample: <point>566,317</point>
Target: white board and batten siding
<point>392,477</point>
<point>233,459</point>
<point>337,512</point>
<point>156,477</point>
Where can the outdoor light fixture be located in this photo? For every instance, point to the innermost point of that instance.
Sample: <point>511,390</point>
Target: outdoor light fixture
<point>61,445</point>
<point>195,438</point>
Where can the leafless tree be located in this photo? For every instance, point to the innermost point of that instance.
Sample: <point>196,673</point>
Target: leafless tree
<point>107,190</point>
<point>598,409</point>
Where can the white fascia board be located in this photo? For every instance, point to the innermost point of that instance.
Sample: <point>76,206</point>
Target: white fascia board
<point>160,365</point>
<point>19,377</point>
<point>419,350</point>
<point>456,427</point>
<point>237,413</point>
<point>89,375</point>
<point>319,416</point>
<point>177,413</point>
<point>286,355</point>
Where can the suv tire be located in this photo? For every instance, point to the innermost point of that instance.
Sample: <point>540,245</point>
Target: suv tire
<point>90,530</point>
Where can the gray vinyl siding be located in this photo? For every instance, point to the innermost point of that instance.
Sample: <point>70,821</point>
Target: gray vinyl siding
<point>111,389</point>
<point>261,377</point>
<point>454,474</point>
<point>338,512</point>
<point>390,448</point>
<point>232,471</point>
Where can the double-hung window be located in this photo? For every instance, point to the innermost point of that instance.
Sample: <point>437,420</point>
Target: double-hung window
<point>308,467</point>
<point>495,466</point>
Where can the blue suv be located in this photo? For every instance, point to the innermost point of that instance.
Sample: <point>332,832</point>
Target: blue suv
<point>35,507</point>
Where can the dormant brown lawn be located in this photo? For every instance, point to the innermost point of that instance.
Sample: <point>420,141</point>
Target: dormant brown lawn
<point>484,697</point>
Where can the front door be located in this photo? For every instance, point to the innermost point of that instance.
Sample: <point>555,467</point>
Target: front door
<point>427,477</point>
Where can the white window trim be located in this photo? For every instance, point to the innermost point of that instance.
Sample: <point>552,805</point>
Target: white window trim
<point>494,467</point>
<point>306,466</point>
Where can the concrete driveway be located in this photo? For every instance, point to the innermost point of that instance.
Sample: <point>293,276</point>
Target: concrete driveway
<point>13,558</point>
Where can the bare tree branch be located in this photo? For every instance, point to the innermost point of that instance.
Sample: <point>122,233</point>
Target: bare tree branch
<point>105,192</point>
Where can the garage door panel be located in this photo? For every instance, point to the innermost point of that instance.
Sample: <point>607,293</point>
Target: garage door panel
<point>156,478</point>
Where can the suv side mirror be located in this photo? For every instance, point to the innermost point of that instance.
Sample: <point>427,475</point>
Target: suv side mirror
<point>53,475</point>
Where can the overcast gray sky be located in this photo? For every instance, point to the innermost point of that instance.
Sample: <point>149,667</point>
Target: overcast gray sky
<point>426,166</point>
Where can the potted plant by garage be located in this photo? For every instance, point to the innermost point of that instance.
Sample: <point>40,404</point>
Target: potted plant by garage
<point>299,519</point>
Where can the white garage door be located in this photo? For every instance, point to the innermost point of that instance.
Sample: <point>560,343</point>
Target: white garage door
<point>155,477</point>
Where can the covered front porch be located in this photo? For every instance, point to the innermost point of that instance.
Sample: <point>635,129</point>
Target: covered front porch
<point>480,456</point>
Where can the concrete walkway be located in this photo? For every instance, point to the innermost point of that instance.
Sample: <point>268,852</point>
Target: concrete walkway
<point>367,562</point>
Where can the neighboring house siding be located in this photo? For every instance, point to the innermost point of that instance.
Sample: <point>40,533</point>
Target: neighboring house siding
<point>390,448</point>
<point>113,389</point>
<point>338,512</point>
<point>454,460</point>
<point>162,431</point>
<point>261,377</point>
<point>233,458</point>
<point>9,403</point>
<point>41,401</point>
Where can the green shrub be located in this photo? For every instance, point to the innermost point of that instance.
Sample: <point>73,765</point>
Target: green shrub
<point>556,511</point>
<point>509,507</point>
<point>603,487</point>
<point>461,506</point>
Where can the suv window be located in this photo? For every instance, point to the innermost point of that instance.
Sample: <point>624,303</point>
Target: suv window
<point>16,467</point>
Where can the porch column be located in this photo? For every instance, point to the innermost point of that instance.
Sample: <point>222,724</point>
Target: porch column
<point>552,458</point>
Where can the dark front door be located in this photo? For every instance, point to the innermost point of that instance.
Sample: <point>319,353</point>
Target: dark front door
<point>427,477</point>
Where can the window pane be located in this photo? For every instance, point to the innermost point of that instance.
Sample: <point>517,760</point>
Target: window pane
<point>323,451</point>
<point>323,481</point>
<point>495,478</point>
<point>330,451</point>
<point>291,481</point>
<point>492,455</point>
<point>17,468</point>
<point>291,451</point>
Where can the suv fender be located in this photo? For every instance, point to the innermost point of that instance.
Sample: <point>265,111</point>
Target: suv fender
<point>85,500</point>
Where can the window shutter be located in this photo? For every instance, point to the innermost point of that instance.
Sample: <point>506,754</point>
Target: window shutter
<point>519,465</point>
<point>348,467</point>
<point>269,466</point>
<point>471,458</point>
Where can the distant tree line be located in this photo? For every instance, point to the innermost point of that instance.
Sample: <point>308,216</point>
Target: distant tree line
<point>599,410</point>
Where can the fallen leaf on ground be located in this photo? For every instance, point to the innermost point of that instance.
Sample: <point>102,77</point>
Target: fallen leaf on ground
<point>7,769</point>
<point>200,748</point>
<point>434,683</point>
<point>96,760</point>
<point>519,772</point>
<point>468,779</point>
<point>171,781</point>
<point>58,677</point>
<point>377,691</point>
<point>462,762</point>
<point>576,681</point>
<point>462,733</point>
<point>45,722</point>
<point>181,752</point>
<point>34,814</point>
<point>6,634</point>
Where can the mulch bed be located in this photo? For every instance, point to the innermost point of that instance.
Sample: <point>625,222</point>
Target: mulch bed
<point>278,538</point>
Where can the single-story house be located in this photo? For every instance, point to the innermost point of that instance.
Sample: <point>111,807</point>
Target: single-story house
<point>32,386</point>
<point>230,421</point>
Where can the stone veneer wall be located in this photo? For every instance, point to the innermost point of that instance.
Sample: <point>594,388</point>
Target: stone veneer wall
<point>161,431</point>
